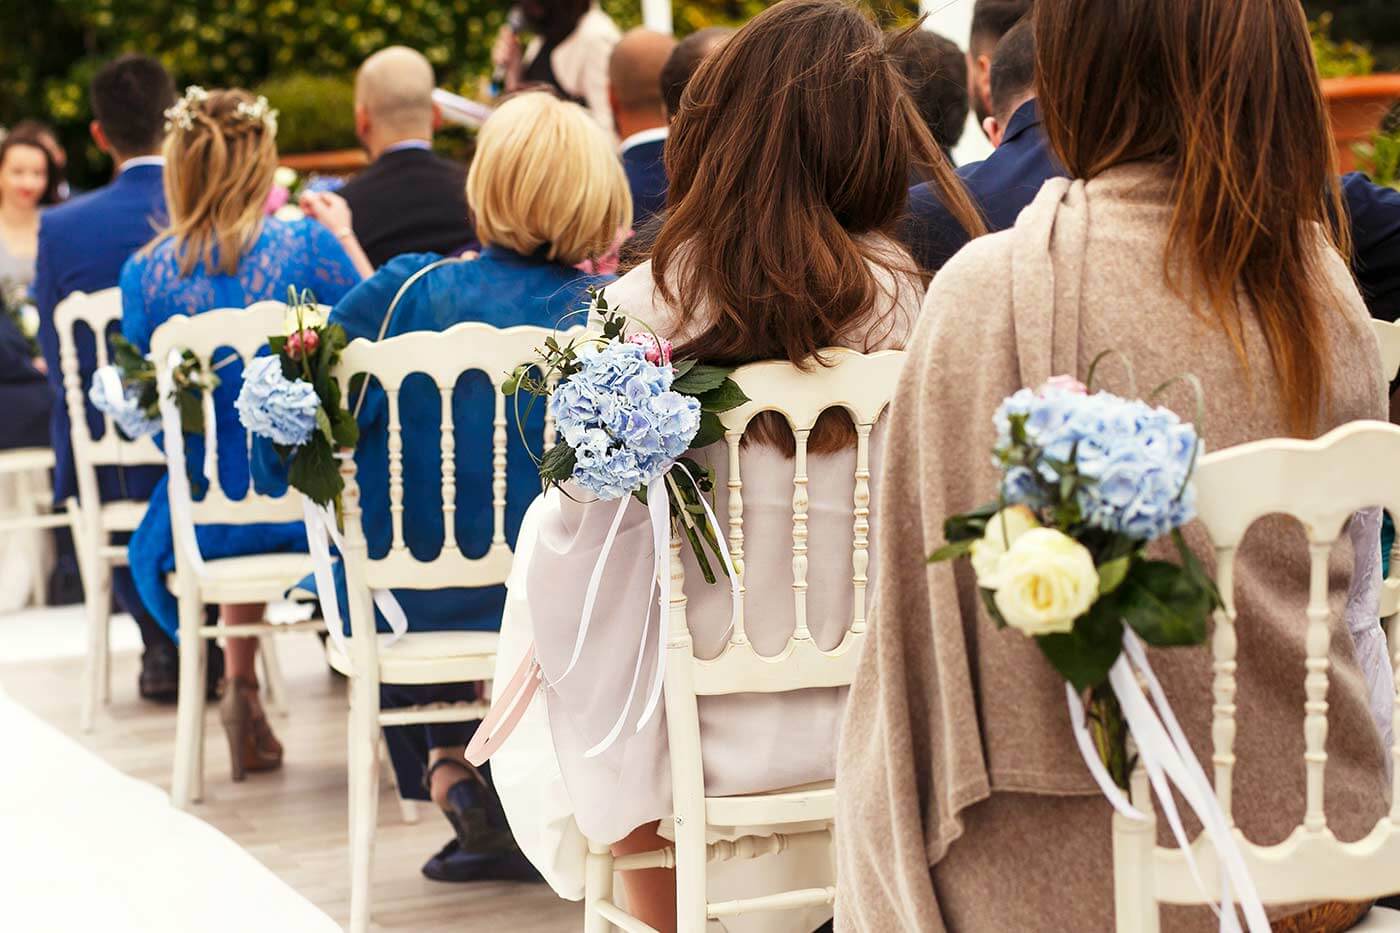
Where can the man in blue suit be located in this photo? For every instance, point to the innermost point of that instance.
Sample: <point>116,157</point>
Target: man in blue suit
<point>1008,180</point>
<point>82,246</point>
<point>634,90</point>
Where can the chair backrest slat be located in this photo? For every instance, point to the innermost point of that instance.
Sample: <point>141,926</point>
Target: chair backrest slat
<point>1322,483</point>
<point>228,334</point>
<point>801,499</point>
<point>444,357</point>
<point>735,484</point>
<point>860,552</point>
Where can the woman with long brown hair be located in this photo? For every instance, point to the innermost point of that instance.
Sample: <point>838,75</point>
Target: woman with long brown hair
<point>789,162</point>
<point>1200,235</point>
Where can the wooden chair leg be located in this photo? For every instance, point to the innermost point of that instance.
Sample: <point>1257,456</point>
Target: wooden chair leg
<point>691,862</point>
<point>598,886</point>
<point>186,780</point>
<point>97,668</point>
<point>408,809</point>
<point>364,798</point>
<point>275,686</point>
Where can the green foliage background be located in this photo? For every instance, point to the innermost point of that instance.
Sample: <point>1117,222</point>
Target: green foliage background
<point>1375,23</point>
<point>49,51</point>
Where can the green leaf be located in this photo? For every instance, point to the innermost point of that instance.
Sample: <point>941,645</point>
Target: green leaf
<point>1164,604</point>
<point>681,368</point>
<point>700,379</point>
<point>557,464</point>
<point>989,601</point>
<point>1112,574</point>
<point>191,412</point>
<point>1196,569</point>
<point>345,431</point>
<point>1084,655</point>
<point>315,472</point>
<point>725,397</point>
<point>969,525</point>
<point>323,425</point>
<point>711,431</point>
<point>952,551</point>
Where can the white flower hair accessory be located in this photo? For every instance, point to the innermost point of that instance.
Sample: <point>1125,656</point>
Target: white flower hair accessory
<point>181,115</point>
<point>258,111</point>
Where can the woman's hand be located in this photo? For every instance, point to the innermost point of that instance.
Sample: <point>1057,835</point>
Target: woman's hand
<point>505,57</point>
<point>331,210</point>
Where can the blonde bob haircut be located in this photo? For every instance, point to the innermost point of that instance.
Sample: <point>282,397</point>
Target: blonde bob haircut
<point>545,174</point>
<point>220,158</point>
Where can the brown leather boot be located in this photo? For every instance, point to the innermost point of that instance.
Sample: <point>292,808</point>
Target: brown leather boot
<point>251,744</point>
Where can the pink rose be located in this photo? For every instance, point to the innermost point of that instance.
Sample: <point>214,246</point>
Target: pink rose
<point>276,199</point>
<point>658,349</point>
<point>303,341</point>
<point>1065,384</point>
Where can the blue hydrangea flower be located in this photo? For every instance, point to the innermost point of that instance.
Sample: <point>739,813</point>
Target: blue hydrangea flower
<point>1136,458</point>
<point>123,408</point>
<point>271,406</point>
<point>622,420</point>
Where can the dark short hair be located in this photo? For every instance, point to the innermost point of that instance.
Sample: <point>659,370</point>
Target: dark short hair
<point>992,19</point>
<point>27,134</point>
<point>129,98</point>
<point>935,71</point>
<point>685,59</point>
<point>1013,68</point>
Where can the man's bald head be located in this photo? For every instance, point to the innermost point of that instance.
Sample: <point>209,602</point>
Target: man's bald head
<point>394,97</point>
<point>634,72</point>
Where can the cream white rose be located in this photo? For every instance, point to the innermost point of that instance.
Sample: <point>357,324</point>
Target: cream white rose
<point>1048,580</point>
<point>284,177</point>
<point>1002,531</point>
<point>311,316</point>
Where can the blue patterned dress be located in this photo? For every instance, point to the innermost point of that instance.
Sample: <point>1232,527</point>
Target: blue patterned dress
<point>303,254</point>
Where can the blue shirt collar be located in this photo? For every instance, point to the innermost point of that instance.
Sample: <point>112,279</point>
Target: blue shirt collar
<point>407,144</point>
<point>1026,117</point>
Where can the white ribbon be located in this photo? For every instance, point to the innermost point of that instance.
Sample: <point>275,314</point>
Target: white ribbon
<point>321,530</point>
<point>1169,761</point>
<point>659,511</point>
<point>178,488</point>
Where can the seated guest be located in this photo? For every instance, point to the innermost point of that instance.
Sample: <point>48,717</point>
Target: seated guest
<point>957,742</point>
<point>27,181</point>
<point>547,193</point>
<point>410,199</point>
<point>1011,176</point>
<point>82,246</point>
<point>43,134</point>
<point>634,90</point>
<point>24,394</point>
<point>572,41</point>
<point>935,70</point>
<point>685,58</point>
<point>220,251</point>
<point>801,119</point>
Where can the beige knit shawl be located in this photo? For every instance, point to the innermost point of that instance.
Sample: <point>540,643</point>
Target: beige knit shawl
<point>948,714</point>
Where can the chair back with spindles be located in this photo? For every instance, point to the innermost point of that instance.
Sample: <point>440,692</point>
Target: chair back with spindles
<point>98,312</point>
<point>863,386</point>
<point>444,357</point>
<point>217,338</point>
<point>1322,483</point>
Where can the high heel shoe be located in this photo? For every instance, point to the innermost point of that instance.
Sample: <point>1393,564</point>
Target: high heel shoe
<point>251,744</point>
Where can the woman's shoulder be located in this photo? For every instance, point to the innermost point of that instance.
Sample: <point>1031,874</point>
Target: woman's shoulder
<point>637,296</point>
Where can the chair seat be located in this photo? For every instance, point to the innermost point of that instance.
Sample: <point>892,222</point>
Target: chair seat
<point>256,578</point>
<point>26,458</point>
<point>122,515</point>
<point>428,657</point>
<point>815,802</point>
<point>1379,920</point>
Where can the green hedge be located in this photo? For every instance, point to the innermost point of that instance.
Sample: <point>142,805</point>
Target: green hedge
<point>1376,23</point>
<point>49,50</point>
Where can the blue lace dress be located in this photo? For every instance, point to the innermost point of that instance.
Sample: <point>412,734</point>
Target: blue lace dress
<point>302,254</point>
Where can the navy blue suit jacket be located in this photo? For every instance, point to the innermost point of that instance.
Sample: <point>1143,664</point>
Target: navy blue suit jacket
<point>82,246</point>
<point>646,176</point>
<point>1010,178</point>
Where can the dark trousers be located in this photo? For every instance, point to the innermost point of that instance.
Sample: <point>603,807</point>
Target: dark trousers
<point>409,745</point>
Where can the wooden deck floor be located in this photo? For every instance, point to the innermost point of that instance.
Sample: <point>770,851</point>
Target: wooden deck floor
<point>294,820</point>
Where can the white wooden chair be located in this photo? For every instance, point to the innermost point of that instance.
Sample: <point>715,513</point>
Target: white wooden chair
<point>418,657</point>
<point>26,471</point>
<point>863,385</point>
<point>1321,483</point>
<point>96,521</point>
<point>257,578</point>
<point>1388,336</point>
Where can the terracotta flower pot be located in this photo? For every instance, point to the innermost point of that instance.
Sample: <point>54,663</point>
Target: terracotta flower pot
<point>335,162</point>
<point>1356,107</point>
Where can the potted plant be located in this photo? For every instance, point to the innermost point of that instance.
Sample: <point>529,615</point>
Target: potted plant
<point>1357,98</point>
<point>1380,158</point>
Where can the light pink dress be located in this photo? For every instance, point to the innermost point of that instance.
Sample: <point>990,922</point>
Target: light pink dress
<point>751,742</point>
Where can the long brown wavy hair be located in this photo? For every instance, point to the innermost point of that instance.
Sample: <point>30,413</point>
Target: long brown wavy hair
<point>789,163</point>
<point>1224,92</point>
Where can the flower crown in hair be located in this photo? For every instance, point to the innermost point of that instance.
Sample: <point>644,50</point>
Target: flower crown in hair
<point>181,115</point>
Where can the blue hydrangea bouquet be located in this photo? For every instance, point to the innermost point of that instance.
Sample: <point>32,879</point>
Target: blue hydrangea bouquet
<point>125,390</point>
<point>1089,481</point>
<point>627,413</point>
<point>290,398</point>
